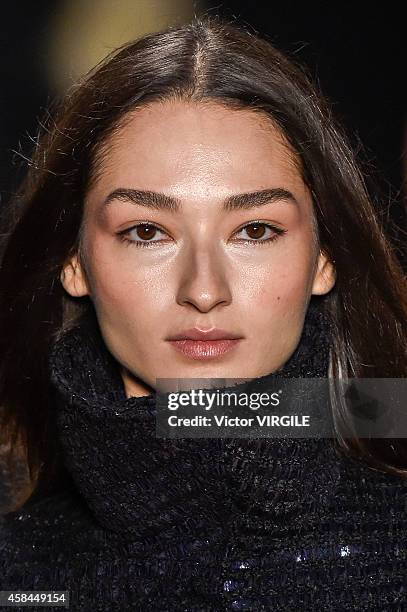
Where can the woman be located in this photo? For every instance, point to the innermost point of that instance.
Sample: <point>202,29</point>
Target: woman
<point>195,184</point>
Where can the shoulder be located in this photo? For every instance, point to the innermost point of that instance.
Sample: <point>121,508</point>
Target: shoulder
<point>357,479</point>
<point>59,526</point>
<point>370,504</point>
<point>55,544</point>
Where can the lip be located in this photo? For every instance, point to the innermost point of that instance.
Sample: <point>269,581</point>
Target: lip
<point>201,334</point>
<point>204,344</point>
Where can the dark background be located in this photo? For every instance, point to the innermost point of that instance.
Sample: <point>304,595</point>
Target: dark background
<point>357,55</point>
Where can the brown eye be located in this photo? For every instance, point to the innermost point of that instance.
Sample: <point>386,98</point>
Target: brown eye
<point>143,234</point>
<point>256,230</point>
<point>146,232</point>
<point>259,233</point>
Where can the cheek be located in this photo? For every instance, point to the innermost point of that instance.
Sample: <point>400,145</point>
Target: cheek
<point>279,285</point>
<point>274,309</point>
<point>119,285</point>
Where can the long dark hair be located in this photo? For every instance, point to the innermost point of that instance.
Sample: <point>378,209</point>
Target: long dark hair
<point>211,59</point>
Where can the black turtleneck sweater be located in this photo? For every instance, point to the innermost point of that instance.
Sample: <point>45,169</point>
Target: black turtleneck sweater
<point>148,523</point>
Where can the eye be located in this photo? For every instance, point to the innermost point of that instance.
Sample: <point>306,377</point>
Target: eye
<point>259,232</point>
<point>148,235</point>
<point>141,235</point>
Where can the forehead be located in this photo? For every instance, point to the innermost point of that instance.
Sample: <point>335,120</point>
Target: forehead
<point>196,144</point>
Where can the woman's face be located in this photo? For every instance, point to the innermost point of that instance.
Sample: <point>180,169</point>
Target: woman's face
<point>229,244</point>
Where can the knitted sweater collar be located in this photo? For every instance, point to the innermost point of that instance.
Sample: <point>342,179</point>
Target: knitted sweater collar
<point>135,482</point>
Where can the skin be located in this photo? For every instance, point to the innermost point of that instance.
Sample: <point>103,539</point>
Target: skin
<point>201,270</point>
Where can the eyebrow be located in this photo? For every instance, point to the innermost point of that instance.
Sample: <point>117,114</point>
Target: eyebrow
<point>161,201</point>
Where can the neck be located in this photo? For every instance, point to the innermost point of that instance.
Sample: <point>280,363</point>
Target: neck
<point>133,386</point>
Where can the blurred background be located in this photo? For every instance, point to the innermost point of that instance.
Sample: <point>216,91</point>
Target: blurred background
<point>358,59</point>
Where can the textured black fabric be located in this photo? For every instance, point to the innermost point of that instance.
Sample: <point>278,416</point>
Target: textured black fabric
<point>202,524</point>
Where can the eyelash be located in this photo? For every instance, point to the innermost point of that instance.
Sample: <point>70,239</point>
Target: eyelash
<point>148,244</point>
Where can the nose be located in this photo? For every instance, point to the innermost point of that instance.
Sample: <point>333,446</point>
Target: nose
<point>203,279</point>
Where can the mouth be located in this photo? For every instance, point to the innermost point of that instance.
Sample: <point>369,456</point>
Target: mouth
<point>201,344</point>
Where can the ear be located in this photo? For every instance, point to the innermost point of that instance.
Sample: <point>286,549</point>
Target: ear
<point>325,275</point>
<point>73,278</point>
